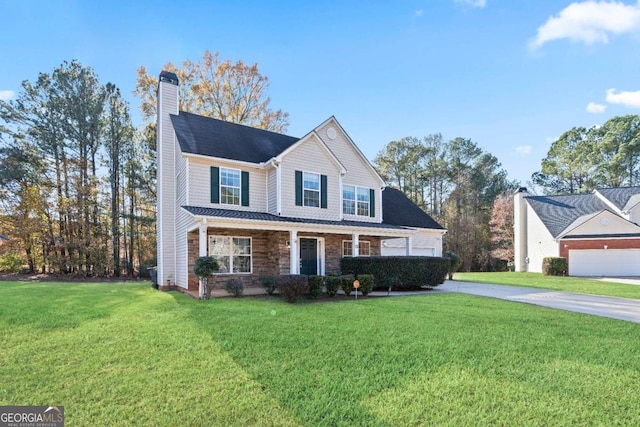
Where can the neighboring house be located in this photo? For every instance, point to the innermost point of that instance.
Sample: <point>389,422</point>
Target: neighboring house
<point>597,233</point>
<point>267,204</point>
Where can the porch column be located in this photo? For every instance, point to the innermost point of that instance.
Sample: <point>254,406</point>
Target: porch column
<point>355,244</point>
<point>293,252</point>
<point>409,243</point>
<point>202,251</point>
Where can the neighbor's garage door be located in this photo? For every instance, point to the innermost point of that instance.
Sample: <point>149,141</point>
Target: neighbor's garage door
<point>604,262</point>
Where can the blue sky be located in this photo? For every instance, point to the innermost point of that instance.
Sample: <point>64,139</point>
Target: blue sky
<point>510,75</point>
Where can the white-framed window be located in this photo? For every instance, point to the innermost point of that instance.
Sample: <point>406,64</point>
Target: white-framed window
<point>232,253</point>
<point>348,199</point>
<point>364,248</point>
<point>229,186</point>
<point>355,200</point>
<point>311,189</point>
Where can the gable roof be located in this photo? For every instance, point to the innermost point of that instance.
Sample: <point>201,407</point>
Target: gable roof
<point>621,196</point>
<point>397,209</point>
<point>558,212</point>
<point>216,138</point>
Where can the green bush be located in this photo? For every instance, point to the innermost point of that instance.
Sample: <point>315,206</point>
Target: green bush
<point>234,287</point>
<point>554,266</point>
<point>346,283</point>
<point>366,283</point>
<point>315,286</point>
<point>291,286</point>
<point>455,263</point>
<point>11,263</point>
<point>204,267</point>
<point>269,284</point>
<point>399,272</point>
<point>333,284</point>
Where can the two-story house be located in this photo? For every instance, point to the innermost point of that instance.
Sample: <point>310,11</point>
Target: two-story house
<point>264,203</point>
<point>598,233</point>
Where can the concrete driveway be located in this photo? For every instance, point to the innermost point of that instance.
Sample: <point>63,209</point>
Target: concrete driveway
<point>615,308</point>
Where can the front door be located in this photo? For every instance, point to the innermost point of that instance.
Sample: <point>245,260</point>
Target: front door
<point>308,256</point>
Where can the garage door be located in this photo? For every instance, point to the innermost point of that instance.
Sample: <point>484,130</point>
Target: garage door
<point>604,262</point>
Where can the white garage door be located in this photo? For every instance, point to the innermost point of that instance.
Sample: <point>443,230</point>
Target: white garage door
<point>604,262</point>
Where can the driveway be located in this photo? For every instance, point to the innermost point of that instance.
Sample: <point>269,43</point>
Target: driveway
<point>615,308</point>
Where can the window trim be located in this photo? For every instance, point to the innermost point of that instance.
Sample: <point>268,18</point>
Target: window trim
<point>360,242</point>
<point>239,187</point>
<point>304,189</point>
<point>356,201</point>
<point>231,254</point>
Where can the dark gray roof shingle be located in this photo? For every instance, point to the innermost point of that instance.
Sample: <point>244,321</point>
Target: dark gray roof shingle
<point>619,196</point>
<point>397,209</point>
<point>558,212</point>
<point>261,216</point>
<point>217,138</point>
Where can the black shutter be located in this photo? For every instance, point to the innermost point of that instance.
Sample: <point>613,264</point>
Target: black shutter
<point>323,191</point>
<point>244,188</point>
<point>372,202</point>
<point>298,188</point>
<point>215,184</point>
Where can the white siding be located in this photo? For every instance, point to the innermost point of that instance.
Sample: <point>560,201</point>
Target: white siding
<point>184,220</point>
<point>166,182</point>
<point>605,223</point>
<point>200,185</point>
<point>359,172</point>
<point>309,156</point>
<point>634,215</point>
<point>540,243</point>
<point>427,243</point>
<point>272,192</point>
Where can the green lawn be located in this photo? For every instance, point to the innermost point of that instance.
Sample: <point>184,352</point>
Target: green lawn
<point>124,354</point>
<point>568,284</point>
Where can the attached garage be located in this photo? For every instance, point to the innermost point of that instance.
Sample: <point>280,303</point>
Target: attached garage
<point>604,262</point>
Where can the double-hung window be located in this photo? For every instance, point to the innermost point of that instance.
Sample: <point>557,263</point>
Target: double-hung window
<point>229,186</point>
<point>357,201</point>
<point>364,248</point>
<point>232,253</point>
<point>311,189</point>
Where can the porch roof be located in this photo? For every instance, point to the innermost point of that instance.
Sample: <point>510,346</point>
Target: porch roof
<point>261,216</point>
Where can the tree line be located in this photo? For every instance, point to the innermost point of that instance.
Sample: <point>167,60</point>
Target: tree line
<point>77,179</point>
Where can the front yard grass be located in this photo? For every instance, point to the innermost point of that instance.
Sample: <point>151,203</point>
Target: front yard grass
<point>124,354</point>
<point>566,284</point>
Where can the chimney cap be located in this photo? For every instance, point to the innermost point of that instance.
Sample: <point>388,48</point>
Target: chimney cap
<point>169,77</point>
<point>521,190</point>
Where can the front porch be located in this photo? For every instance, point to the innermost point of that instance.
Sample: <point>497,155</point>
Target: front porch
<point>248,255</point>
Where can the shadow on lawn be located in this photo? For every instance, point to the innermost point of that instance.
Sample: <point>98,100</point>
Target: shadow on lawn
<point>321,362</point>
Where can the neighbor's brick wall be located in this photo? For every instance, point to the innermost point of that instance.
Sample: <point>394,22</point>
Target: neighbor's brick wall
<point>597,244</point>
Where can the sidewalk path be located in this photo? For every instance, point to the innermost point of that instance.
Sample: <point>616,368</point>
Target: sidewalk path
<point>615,308</point>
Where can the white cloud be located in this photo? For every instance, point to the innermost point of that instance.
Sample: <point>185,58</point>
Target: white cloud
<point>473,3</point>
<point>6,95</point>
<point>628,99</point>
<point>595,108</point>
<point>523,149</point>
<point>418,13</point>
<point>589,22</point>
<point>551,139</point>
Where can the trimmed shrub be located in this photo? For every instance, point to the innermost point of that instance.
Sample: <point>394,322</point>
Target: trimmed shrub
<point>269,284</point>
<point>399,272</point>
<point>315,286</point>
<point>455,264</point>
<point>291,286</point>
<point>234,287</point>
<point>204,267</point>
<point>333,284</point>
<point>366,283</point>
<point>11,263</point>
<point>346,283</point>
<point>554,266</point>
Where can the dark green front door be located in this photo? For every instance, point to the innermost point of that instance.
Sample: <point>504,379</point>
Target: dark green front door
<point>308,256</point>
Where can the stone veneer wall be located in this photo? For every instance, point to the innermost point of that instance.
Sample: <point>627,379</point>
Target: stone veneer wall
<point>270,255</point>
